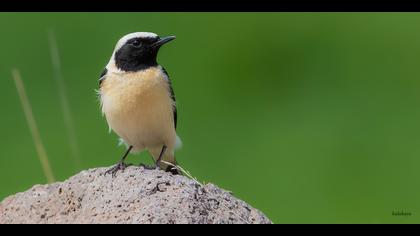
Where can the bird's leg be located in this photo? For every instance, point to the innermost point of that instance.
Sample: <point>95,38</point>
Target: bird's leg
<point>162,152</point>
<point>120,165</point>
<point>159,160</point>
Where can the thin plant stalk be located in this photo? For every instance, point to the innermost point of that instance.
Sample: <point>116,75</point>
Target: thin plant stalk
<point>42,154</point>
<point>65,107</point>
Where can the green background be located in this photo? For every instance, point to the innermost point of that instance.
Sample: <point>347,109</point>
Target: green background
<point>310,117</point>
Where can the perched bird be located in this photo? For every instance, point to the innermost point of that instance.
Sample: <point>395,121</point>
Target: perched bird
<point>138,100</point>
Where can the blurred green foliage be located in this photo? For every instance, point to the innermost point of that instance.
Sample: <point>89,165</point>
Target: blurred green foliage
<point>310,117</point>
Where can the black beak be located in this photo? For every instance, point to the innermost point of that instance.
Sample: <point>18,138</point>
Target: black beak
<point>163,41</point>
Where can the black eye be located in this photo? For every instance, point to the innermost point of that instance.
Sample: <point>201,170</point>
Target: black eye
<point>136,43</point>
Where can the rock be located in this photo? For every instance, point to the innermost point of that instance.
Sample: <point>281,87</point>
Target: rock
<point>133,196</point>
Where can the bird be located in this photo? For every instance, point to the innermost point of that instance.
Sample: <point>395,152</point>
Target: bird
<point>138,101</point>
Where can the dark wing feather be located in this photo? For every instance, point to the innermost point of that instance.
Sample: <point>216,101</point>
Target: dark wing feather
<point>172,95</point>
<point>102,76</point>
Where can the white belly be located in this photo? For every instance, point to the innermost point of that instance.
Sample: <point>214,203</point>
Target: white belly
<point>138,107</point>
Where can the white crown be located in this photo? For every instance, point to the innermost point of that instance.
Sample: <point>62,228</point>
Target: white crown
<point>127,37</point>
<point>111,64</point>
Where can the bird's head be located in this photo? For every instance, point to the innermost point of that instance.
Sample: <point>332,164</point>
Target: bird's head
<point>137,51</point>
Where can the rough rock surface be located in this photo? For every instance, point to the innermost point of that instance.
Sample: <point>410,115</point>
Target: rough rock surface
<point>133,196</point>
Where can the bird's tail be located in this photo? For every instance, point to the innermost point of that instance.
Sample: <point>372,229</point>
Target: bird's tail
<point>178,143</point>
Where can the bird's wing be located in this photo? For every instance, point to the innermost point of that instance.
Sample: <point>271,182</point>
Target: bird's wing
<point>102,76</point>
<point>171,90</point>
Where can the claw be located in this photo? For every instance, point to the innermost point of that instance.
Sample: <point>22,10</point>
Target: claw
<point>114,170</point>
<point>146,167</point>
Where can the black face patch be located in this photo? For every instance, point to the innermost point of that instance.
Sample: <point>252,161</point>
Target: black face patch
<point>137,54</point>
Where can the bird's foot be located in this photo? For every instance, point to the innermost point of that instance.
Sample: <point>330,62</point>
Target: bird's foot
<point>170,169</point>
<point>114,170</point>
<point>173,170</point>
<point>152,167</point>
